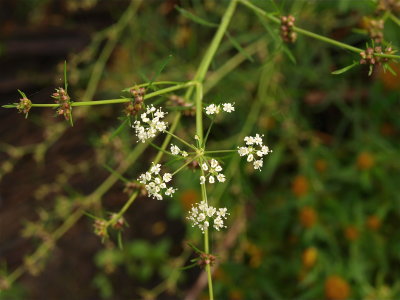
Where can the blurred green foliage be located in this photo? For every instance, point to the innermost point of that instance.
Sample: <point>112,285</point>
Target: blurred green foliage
<point>320,218</point>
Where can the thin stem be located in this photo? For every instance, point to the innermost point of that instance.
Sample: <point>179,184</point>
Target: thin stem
<point>199,112</point>
<point>116,101</point>
<point>309,33</point>
<point>208,132</point>
<point>123,209</point>
<point>219,151</point>
<point>181,140</point>
<point>184,165</point>
<point>394,18</point>
<point>206,243</point>
<point>212,49</point>
<point>153,83</point>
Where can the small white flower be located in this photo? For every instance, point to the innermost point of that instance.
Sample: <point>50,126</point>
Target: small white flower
<point>228,107</point>
<point>258,164</point>
<point>150,123</point>
<point>175,150</point>
<point>221,177</point>
<point>243,151</point>
<point>184,153</point>
<point>201,214</point>
<point>255,150</point>
<point>167,177</point>
<point>211,179</point>
<point>155,169</point>
<point>214,163</point>
<point>202,179</point>
<point>212,109</point>
<point>204,166</point>
<point>155,184</point>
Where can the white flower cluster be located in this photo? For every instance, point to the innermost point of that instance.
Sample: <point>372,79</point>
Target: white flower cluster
<point>255,150</point>
<point>213,109</point>
<point>155,184</point>
<point>200,214</point>
<point>213,172</point>
<point>150,123</point>
<point>176,151</point>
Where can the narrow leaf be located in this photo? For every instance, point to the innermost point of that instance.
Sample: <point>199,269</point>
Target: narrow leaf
<point>119,129</point>
<point>22,94</point>
<point>239,48</point>
<point>345,69</point>
<point>65,78</point>
<point>195,18</point>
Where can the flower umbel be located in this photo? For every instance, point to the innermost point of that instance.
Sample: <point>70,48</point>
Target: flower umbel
<point>214,170</point>
<point>156,184</point>
<point>202,213</point>
<point>150,123</point>
<point>213,109</point>
<point>254,151</point>
<point>176,151</point>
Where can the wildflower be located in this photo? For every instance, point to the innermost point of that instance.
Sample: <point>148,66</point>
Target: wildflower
<point>100,228</point>
<point>150,123</point>
<point>254,151</point>
<point>62,98</point>
<point>213,109</point>
<point>155,184</point>
<point>134,106</point>
<point>336,288</point>
<point>202,213</point>
<point>24,105</point>
<point>287,33</point>
<point>214,170</point>
<point>228,107</point>
<point>176,151</point>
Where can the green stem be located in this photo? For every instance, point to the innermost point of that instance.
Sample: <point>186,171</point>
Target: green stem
<point>309,33</point>
<point>181,140</point>
<point>212,49</point>
<point>184,165</point>
<point>206,244</point>
<point>199,112</point>
<point>208,132</point>
<point>219,151</point>
<point>120,100</point>
<point>123,209</point>
<point>394,19</point>
<point>152,83</point>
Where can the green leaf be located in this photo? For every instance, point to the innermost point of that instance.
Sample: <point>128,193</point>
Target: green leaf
<point>22,94</point>
<point>239,48</point>
<point>9,106</point>
<point>195,18</point>
<point>345,69</point>
<point>289,53</point>
<point>120,244</point>
<point>160,69</point>
<point>119,129</point>
<point>389,68</point>
<point>65,77</point>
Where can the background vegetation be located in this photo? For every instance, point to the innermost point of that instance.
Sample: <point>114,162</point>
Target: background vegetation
<point>320,220</point>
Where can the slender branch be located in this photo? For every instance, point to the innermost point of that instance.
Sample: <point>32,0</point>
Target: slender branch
<point>309,33</point>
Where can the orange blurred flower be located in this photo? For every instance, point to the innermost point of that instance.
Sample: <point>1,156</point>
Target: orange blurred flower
<point>308,216</point>
<point>351,233</point>
<point>321,165</point>
<point>373,222</point>
<point>188,198</point>
<point>336,288</point>
<point>365,161</point>
<point>309,257</point>
<point>300,186</point>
